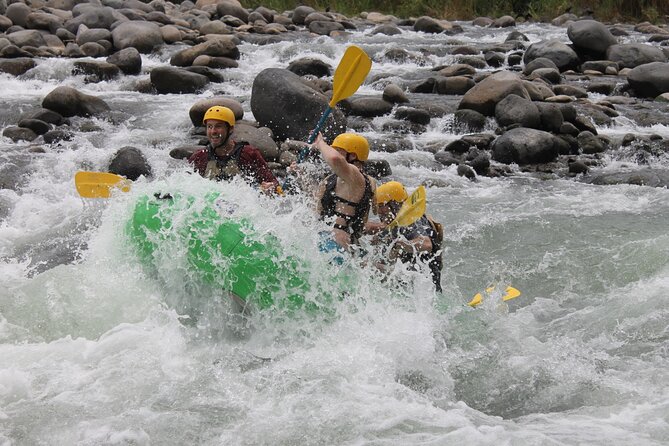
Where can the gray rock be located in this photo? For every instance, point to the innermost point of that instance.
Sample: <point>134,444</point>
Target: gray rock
<point>649,80</point>
<point>455,85</point>
<point>17,66</point>
<point>525,146</point>
<point>143,36</point>
<point>562,55</point>
<point>281,101</point>
<point>469,120</point>
<point>300,14</point>
<point>394,94</point>
<point>630,55</point>
<point>485,95</point>
<point>368,107</point>
<point>177,80</point>
<point>130,163</point>
<point>428,25</point>
<point>414,115</point>
<point>128,60</point>
<point>220,47</point>
<point>324,28</point>
<point>70,102</point>
<point>310,65</point>
<point>17,134</point>
<point>224,8</point>
<point>590,36</point>
<point>641,177</point>
<point>590,143</point>
<point>514,109</point>
<point>38,126</point>
<point>261,138</point>
<point>103,71</point>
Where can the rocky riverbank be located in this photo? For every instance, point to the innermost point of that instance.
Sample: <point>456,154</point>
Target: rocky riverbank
<point>513,103</point>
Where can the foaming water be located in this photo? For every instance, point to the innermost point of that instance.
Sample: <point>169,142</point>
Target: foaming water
<point>98,348</point>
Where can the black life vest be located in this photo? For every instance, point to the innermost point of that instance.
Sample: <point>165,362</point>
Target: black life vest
<point>224,168</point>
<point>353,224</point>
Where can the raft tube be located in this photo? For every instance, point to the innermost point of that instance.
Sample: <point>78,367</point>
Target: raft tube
<point>223,250</point>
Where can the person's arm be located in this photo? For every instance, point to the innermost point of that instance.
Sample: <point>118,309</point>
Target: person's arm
<point>337,162</point>
<point>259,169</point>
<point>199,161</point>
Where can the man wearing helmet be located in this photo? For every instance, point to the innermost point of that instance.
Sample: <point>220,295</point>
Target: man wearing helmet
<point>421,240</point>
<point>346,195</point>
<point>223,158</point>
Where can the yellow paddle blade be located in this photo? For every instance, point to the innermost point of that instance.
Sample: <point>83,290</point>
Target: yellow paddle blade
<point>412,209</point>
<point>99,184</point>
<point>509,293</point>
<point>350,74</point>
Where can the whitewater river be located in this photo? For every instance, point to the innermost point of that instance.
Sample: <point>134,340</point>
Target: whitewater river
<point>96,350</point>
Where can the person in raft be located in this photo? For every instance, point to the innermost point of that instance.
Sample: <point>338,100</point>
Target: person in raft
<point>345,197</point>
<point>420,241</point>
<point>223,158</point>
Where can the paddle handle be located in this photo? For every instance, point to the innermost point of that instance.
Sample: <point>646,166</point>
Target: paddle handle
<point>319,126</point>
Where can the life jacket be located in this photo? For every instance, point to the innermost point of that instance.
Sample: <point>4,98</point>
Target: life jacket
<point>224,168</point>
<point>353,224</point>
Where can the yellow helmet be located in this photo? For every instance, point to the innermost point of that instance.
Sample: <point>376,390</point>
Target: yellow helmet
<point>220,113</point>
<point>391,191</point>
<point>353,143</point>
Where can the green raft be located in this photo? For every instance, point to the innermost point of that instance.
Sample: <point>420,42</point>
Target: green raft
<point>223,251</point>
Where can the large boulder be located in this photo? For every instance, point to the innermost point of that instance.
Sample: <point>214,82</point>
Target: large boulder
<point>650,80</point>
<point>525,146</point>
<point>590,36</point>
<point>16,66</point>
<point>631,55</point>
<point>232,8</point>
<point>563,56</point>
<point>485,95</point>
<point>70,102</point>
<point>283,102</point>
<point>27,38</point>
<point>143,36</point>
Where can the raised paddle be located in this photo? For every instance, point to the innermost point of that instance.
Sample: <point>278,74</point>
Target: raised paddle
<point>349,75</point>
<point>509,293</point>
<point>99,184</point>
<point>412,209</point>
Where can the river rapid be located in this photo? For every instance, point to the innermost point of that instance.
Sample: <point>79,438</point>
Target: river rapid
<point>96,350</point>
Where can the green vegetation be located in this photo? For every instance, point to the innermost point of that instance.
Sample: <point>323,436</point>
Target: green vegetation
<point>655,11</point>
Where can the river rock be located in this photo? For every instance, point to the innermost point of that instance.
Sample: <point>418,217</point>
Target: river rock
<point>177,80</point>
<point>387,29</point>
<point>485,95</point>
<point>325,28</point>
<point>562,55</point>
<point>18,13</point>
<point>17,66</point>
<point>630,55</point>
<point>57,135</point>
<point>469,120</point>
<point>394,94</point>
<point>70,102</point>
<point>232,8</point>
<point>301,13</point>
<point>261,138</point>
<point>514,109</point>
<point>414,115</point>
<point>550,116</point>
<point>94,17</point>
<point>525,146</point>
<point>590,143</point>
<point>590,37</point>
<point>649,80</point>
<point>143,36</point>
<point>128,60</point>
<point>103,71</point>
<point>282,101</point>
<point>130,163</point>
<point>26,38</point>
<point>455,85</point>
<point>640,177</point>
<point>539,62</point>
<point>367,107</point>
<point>428,25</point>
<point>218,47</point>
<point>85,35</point>
<point>36,125</point>
<point>17,134</point>
<point>310,65</point>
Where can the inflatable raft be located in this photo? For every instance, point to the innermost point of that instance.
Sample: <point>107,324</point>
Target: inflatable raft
<point>221,249</point>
